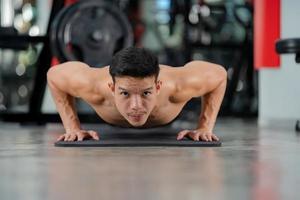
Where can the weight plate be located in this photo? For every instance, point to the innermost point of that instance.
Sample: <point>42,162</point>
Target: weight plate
<point>90,32</point>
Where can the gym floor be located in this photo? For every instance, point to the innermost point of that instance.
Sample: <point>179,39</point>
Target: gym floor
<point>253,163</point>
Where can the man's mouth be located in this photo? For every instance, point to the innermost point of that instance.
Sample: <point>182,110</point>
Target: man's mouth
<point>139,115</point>
<point>136,117</point>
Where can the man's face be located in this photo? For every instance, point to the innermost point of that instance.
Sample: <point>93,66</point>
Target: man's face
<point>135,98</point>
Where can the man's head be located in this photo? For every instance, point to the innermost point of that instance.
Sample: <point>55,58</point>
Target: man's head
<point>135,86</point>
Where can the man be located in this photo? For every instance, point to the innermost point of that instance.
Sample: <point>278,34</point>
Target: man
<point>135,91</point>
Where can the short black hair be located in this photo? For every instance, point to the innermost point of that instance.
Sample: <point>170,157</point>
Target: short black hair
<point>134,62</point>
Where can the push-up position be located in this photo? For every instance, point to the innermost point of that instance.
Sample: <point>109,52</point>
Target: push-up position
<point>135,91</point>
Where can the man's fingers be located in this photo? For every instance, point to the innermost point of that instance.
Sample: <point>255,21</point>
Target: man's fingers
<point>60,138</point>
<point>215,137</point>
<point>69,137</point>
<point>94,135</point>
<point>204,137</point>
<point>194,136</point>
<point>88,134</point>
<point>181,134</point>
<point>66,137</point>
<point>80,137</point>
<point>209,137</point>
<point>72,137</point>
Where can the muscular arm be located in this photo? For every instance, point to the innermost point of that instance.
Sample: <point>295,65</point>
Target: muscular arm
<point>65,82</point>
<point>210,106</point>
<point>207,80</point>
<point>210,83</point>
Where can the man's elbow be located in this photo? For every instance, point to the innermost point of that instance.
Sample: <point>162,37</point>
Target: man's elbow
<point>222,73</point>
<point>50,75</point>
<point>54,76</point>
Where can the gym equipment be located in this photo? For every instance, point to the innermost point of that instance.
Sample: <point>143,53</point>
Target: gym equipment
<point>290,45</point>
<point>9,38</point>
<point>212,36</point>
<point>35,115</point>
<point>90,31</point>
<point>138,138</point>
<point>242,70</point>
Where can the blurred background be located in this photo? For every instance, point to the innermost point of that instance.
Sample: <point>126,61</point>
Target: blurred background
<point>254,162</point>
<point>177,31</point>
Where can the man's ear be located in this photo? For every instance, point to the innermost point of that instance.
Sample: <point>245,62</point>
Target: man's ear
<point>111,85</point>
<point>158,85</point>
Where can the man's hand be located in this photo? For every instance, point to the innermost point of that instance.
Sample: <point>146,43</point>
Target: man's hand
<point>197,135</point>
<point>78,135</point>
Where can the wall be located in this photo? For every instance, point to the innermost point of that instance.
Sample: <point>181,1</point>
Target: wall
<point>279,89</point>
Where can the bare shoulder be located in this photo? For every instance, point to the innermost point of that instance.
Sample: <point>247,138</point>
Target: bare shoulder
<point>197,78</point>
<point>203,67</point>
<point>193,69</point>
<point>76,78</point>
<point>68,72</point>
<point>67,67</point>
<point>73,68</point>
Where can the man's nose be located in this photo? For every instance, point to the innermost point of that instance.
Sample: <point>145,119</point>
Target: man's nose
<point>135,102</point>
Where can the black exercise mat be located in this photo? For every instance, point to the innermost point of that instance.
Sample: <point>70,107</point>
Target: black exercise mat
<point>137,143</point>
<point>138,138</point>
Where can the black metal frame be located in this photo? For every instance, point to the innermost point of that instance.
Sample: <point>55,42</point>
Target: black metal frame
<point>34,115</point>
<point>43,64</point>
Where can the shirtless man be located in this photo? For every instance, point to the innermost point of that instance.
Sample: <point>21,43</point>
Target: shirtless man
<point>135,91</point>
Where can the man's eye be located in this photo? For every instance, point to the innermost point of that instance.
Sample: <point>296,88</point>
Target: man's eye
<point>147,93</point>
<point>124,93</point>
